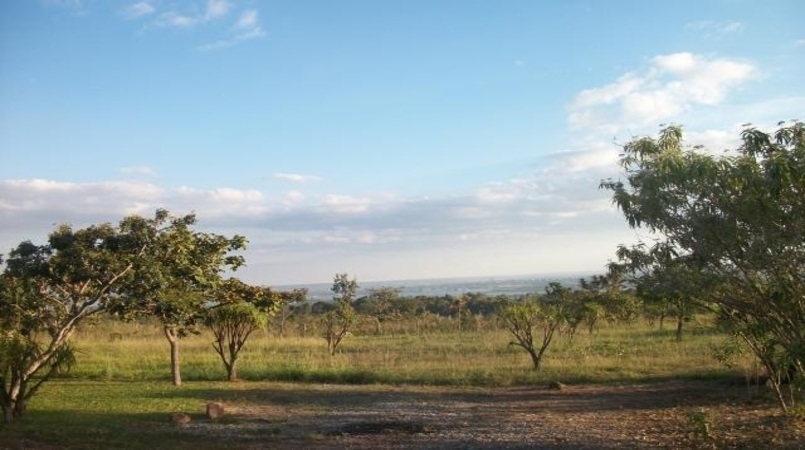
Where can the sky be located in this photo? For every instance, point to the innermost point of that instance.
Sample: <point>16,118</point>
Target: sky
<point>386,139</point>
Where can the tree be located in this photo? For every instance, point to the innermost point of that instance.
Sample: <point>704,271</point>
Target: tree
<point>380,305</point>
<point>338,321</point>
<point>177,278</point>
<point>46,291</point>
<point>458,309</point>
<point>674,288</point>
<point>290,304</point>
<point>243,310</point>
<point>740,217</point>
<point>521,318</point>
<point>597,293</point>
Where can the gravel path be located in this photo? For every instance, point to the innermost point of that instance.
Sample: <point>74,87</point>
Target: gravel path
<point>659,415</point>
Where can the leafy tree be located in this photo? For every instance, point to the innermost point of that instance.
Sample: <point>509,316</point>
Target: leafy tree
<point>177,278</point>
<point>675,288</point>
<point>596,294</point>
<point>523,317</point>
<point>576,311</point>
<point>46,291</point>
<point>291,302</point>
<point>738,216</point>
<point>380,305</point>
<point>338,321</point>
<point>243,310</point>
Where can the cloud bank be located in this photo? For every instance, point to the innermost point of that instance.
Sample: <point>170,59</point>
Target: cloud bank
<point>554,219</point>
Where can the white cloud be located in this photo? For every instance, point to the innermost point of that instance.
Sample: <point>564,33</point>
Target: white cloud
<point>139,9</point>
<point>671,85</point>
<point>139,170</point>
<point>176,20</point>
<point>607,94</point>
<point>26,200</point>
<point>294,225</point>
<point>715,141</point>
<point>214,10</point>
<point>345,204</point>
<point>222,195</point>
<point>715,28</point>
<point>297,177</point>
<point>217,9</point>
<point>247,20</point>
<point>497,193</point>
<point>246,28</point>
<point>294,198</point>
<point>680,63</point>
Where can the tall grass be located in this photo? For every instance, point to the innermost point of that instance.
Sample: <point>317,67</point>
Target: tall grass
<point>638,352</point>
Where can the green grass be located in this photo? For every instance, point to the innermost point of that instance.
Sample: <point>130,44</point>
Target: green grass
<point>119,395</point>
<point>483,358</point>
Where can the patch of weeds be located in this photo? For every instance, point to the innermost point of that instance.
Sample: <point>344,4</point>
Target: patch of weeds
<point>727,352</point>
<point>700,426</point>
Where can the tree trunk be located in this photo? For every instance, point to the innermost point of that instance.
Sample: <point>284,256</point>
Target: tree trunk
<point>232,370</point>
<point>173,339</point>
<point>679,321</point>
<point>8,414</point>
<point>535,357</point>
<point>13,409</point>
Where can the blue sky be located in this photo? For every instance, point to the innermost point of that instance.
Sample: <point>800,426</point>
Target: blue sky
<point>389,140</point>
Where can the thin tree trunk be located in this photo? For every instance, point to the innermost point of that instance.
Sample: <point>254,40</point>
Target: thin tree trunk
<point>173,339</point>
<point>233,359</point>
<point>535,358</point>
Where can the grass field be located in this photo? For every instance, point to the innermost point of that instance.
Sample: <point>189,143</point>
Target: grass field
<point>119,395</point>
<point>483,358</point>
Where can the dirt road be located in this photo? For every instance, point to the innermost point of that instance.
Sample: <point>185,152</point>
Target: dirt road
<point>670,414</point>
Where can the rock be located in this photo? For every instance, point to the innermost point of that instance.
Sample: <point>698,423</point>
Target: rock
<point>215,410</point>
<point>556,386</point>
<point>180,418</point>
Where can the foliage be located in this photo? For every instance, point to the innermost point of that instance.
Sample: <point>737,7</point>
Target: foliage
<point>290,304</point>
<point>338,321</point>
<point>243,310</point>
<point>700,424</point>
<point>522,318</point>
<point>738,217</point>
<point>46,291</point>
<point>458,309</point>
<point>674,287</point>
<point>176,279</point>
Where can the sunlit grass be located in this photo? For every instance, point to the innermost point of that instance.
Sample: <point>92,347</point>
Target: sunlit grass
<point>637,352</point>
<point>119,393</point>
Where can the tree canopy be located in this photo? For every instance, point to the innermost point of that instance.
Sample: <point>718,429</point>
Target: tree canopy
<point>139,266</point>
<point>738,217</point>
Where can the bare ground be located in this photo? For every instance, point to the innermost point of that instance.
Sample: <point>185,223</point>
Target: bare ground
<point>672,414</point>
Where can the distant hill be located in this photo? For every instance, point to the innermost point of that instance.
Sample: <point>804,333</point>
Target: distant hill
<point>511,285</point>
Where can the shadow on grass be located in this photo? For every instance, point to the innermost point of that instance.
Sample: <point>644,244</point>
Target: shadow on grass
<point>321,412</point>
<point>658,394</point>
<point>42,429</point>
